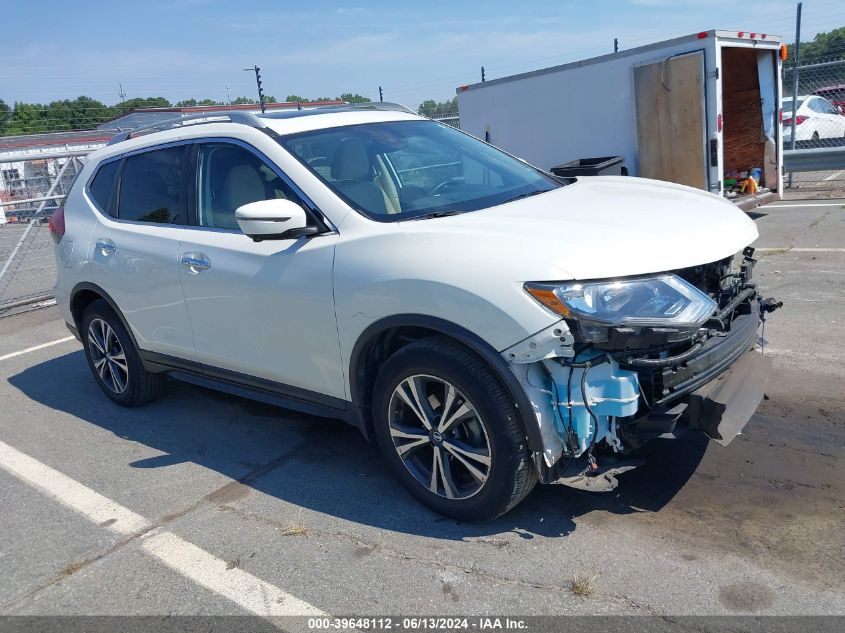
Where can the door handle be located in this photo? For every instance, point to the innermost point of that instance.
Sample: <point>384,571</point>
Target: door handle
<point>105,246</point>
<point>196,262</point>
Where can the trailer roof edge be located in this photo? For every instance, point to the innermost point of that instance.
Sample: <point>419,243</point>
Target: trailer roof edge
<point>774,40</point>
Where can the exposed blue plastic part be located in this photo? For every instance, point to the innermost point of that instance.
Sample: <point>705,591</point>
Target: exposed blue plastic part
<point>611,392</point>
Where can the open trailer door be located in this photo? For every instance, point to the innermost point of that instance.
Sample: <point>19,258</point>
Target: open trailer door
<point>671,124</point>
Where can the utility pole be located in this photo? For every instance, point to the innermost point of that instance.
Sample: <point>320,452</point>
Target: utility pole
<point>122,93</point>
<point>615,45</point>
<point>380,94</point>
<point>795,52</point>
<point>257,72</point>
<point>483,75</point>
<point>228,97</point>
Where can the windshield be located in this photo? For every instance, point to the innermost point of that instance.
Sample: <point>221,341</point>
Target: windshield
<point>789,105</point>
<point>408,169</point>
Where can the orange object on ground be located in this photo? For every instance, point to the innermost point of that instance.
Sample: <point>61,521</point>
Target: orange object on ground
<point>749,185</point>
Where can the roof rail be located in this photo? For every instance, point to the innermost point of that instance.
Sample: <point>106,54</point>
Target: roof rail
<point>230,116</point>
<point>373,105</point>
<point>340,107</point>
<point>251,119</point>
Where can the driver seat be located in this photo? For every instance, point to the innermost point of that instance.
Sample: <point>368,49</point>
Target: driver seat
<point>351,170</point>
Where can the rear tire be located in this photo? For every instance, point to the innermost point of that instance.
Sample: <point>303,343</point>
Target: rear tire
<point>472,436</point>
<point>114,360</point>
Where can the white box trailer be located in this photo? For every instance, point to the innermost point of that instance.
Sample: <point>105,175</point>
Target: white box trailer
<point>688,110</point>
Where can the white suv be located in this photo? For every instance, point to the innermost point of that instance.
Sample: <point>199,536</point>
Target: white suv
<point>487,323</point>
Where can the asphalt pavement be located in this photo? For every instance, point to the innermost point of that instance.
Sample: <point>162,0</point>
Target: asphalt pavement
<point>207,504</point>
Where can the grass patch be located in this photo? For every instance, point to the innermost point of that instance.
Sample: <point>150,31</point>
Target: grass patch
<point>583,586</point>
<point>295,529</point>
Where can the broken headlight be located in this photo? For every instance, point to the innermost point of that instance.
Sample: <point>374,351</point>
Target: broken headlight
<point>662,305</point>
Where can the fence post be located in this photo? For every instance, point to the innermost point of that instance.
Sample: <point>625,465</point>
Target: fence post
<point>795,52</point>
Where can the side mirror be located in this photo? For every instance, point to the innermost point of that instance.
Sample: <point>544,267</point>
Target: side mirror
<point>275,219</point>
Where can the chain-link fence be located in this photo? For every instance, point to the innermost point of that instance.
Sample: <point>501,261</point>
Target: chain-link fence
<point>817,115</point>
<point>30,192</point>
<point>451,119</point>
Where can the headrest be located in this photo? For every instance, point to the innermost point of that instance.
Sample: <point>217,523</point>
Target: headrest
<point>242,186</point>
<point>350,161</point>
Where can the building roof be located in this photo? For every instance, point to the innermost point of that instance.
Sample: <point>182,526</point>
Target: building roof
<point>51,139</point>
<point>139,117</point>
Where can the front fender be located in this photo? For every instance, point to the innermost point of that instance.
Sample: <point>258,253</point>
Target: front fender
<point>464,336</point>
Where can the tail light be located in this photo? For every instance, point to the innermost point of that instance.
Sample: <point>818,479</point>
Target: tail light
<point>798,120</point>
<point>57,225</point>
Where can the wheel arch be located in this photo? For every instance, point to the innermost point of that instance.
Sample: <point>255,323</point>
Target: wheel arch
<point>86,293</point>
<point>384,337</point>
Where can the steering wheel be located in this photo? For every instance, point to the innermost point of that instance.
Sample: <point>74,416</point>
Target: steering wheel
<point>449,182</point>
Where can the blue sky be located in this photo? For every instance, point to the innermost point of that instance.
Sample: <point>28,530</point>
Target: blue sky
<point>416,50</point>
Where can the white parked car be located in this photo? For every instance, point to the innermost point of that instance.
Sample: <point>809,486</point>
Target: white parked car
<point>487,323</point>
<point>815,118</point>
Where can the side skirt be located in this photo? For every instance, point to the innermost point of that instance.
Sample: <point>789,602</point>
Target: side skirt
<point>252,387</point>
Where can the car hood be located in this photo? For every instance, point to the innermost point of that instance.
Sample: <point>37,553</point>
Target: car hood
<point>597,227</point>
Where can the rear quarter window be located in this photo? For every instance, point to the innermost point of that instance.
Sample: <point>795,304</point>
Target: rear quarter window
<point>102,185</point>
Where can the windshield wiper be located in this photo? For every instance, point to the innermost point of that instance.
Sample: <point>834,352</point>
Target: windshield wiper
<point>526,195</point>
<point>434,214</point>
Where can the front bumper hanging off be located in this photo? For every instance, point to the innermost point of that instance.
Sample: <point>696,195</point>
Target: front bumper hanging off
<point>722,407</point>
<point>715,390</point>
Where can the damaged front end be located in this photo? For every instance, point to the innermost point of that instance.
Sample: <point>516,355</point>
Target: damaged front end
<point>638,359</point>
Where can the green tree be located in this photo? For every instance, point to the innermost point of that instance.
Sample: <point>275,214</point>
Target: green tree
<point>189,103</point>
<point>86,113</point>
<point>27,118</point>
<point>354,98</point>
<point>823,47</point>
<point>139,102</point>
<point>828,46</point>
<point>438,109</point>
<point>5,114</point>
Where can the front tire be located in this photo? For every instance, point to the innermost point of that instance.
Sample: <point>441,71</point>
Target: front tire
<point>450,432</point>
<point>114,360</point>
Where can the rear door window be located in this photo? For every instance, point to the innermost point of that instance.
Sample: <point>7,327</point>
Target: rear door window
<point>102,185</point>
<point>152,187</point>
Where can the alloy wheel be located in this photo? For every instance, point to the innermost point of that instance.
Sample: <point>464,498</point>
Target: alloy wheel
<point>108,356</point>
<point>439,436</point>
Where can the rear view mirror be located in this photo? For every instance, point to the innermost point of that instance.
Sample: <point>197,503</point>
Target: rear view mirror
<point>276,219</point>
